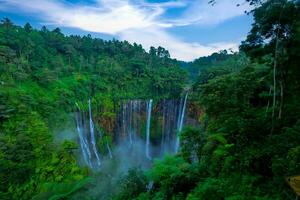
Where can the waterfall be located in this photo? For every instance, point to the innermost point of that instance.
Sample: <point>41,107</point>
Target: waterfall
<point>149,109</point>
<point>108,149</point>
<point>82,139</point>
<point>123,121</point>
<point>167,117</point>
<point>180,125</point>
<point>130,122</point>
<point>84,148</point>
<point>93,141</point>
<point>162,145</point>
<point>169,114</point>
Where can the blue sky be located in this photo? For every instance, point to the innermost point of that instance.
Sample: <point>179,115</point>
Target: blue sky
<point>187,28</point>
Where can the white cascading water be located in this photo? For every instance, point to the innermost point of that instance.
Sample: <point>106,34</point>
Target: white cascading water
<point>109,150</point>
<point>129,116</point>
<point>93,141</point>
<point>83,141</point>
<point>169,114</point>
<point>162,145</point>
<point>149,109</point>
<point>123,119</point>
<point>180,125</point>
<point>83,145</point>
<point>130,123</point>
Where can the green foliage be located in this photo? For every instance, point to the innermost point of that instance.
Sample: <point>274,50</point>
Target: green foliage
<point>42,74</point>
<point>55,191</point>
<point>192,143</point>
<point>248,142</point>
<point>234,187</point>
<point>206,68</point>
<point>172,177</point>
<point>132,184</point>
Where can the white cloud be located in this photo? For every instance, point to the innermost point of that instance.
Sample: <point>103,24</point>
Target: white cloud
<point>152,36</point>
<point>107,16</point>
<point>202,13</point>
<point>139,22</point>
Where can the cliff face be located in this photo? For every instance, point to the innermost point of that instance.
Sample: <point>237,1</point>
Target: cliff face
<point>194,114</point>
<point>107,121</point>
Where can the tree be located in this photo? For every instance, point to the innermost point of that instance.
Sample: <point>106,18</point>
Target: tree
<point>27,28</point>
<point>6,23</point>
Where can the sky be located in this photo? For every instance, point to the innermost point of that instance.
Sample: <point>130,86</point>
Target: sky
<point>187,28</point>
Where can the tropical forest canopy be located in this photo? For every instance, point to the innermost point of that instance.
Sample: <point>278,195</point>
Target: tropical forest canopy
<point>246,104</point>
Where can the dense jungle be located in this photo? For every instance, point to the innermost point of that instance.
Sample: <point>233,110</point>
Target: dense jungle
<point>87,118</point>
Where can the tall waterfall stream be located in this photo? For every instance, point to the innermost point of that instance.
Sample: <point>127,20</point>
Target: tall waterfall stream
<point>154,125</point>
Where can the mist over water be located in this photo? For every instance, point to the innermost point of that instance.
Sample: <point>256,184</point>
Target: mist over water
<point>144,130</point>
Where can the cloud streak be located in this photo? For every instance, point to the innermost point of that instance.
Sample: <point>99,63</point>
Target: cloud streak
<point>202,13</point>
<point>136,21</point>
<point>177,48</point>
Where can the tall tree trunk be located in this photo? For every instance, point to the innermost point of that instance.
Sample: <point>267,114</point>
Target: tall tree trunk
<point>275,66</point>
<point>274,73</point>
<point>281,100</point>
<point>267,109</point>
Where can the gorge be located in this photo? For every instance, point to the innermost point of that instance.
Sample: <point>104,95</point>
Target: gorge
<point>136,119</point>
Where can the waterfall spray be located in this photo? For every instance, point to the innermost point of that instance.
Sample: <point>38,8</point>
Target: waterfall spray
<point>162,145</point>
<point>82,139</point>
<point>182,114</point>
<point>130,123</point>
<point>149,109</point>
<point>93,141</point>
<point>108,149</point>
<point>84,147</point>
